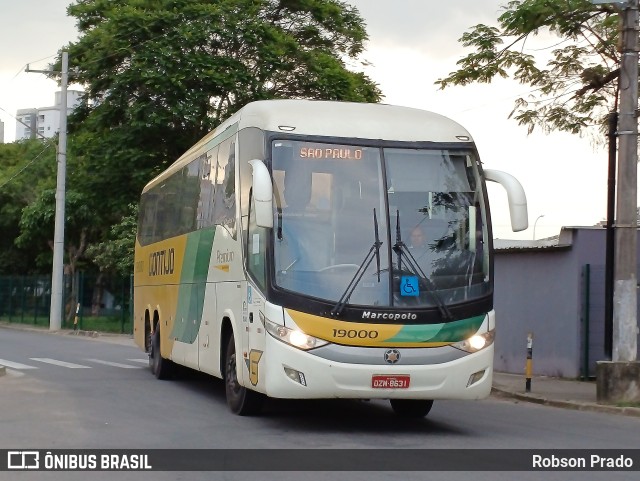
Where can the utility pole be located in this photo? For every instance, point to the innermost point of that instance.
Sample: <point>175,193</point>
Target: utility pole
<point>617,379</point>
<point>610,242</point>
<point>57,273</point>
<point>625,325</point>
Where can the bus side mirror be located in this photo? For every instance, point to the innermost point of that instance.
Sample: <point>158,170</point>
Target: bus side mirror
<point>515,195</point>
<point>262,193</point>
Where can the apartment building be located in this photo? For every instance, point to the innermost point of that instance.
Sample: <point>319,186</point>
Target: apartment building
<point>44,121</point>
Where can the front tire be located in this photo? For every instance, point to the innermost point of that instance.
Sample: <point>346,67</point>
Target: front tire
<point>160,367</point>
<point>411,408</point>
<point>241,401</point>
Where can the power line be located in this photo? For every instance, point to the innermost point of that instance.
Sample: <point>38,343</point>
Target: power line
<point>49,144</point>
<point>25,167</point>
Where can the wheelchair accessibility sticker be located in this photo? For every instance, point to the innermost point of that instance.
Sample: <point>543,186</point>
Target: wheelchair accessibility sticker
<point>409,286</point>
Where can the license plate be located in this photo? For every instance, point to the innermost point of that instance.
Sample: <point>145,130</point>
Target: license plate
<point>398,381</point>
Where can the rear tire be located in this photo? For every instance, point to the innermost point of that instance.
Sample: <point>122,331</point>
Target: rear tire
<point>241,401</point>
<point>160,367</point>
<point>411,408</point>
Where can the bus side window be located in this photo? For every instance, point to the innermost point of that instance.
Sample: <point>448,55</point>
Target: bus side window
<point>190,195</point>
<point>207,193</point>
<point>257,237</point>
<point>146,219</point>
<point>250,146</point>
<point>225,203</point>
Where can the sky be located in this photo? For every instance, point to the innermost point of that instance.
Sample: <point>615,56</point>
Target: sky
<point>412,43</point>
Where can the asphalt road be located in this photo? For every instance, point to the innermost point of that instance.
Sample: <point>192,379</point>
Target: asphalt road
<point>67,392</point>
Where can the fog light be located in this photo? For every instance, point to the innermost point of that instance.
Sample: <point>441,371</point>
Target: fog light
<point>475,377</point>
<point>294,375</point>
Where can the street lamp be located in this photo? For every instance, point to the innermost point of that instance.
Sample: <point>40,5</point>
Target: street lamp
<point>534,225</point>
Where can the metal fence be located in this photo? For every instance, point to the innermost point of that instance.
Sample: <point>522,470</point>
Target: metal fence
<point>94,302</point>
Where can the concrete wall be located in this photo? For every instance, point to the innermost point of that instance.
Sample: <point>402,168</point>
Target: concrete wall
<point>537,292</point>
<point>542,290</point>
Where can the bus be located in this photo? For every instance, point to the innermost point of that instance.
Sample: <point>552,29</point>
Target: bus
<point>320,249</point>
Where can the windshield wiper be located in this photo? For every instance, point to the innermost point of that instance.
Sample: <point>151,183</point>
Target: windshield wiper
<point>401,248</point>
<point>374,251</point>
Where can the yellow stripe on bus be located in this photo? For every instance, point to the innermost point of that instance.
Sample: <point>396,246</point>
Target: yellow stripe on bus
<point>353,333</point>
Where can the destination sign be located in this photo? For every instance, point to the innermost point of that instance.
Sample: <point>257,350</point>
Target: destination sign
<point>330,152</point>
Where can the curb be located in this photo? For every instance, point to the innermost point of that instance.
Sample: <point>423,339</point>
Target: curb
<point>575,405</point>
<point>60,332</point>
<point>84,333</point>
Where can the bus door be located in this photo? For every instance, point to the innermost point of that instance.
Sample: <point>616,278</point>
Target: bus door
<point>208,353</point>
<point>254,338</point>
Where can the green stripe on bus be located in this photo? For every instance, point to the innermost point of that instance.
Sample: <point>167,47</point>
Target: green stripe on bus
<point>447,332</point>
<point>193,281</point>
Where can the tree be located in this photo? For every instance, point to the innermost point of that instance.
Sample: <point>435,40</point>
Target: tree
<point>116,253</point>
<point>159,74</point>
<point>37,228</point>
<point>577,86</point>
<point>38,219</point>
<point>26,167</point>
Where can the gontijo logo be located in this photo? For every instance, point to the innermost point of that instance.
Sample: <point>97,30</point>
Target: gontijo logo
<point>224,257</point>
<point>162,262</point>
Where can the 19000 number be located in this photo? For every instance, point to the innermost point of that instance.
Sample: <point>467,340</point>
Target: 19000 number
<point>355,334</point>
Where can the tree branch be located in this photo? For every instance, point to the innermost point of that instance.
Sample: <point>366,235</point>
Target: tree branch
<point>598,82</point>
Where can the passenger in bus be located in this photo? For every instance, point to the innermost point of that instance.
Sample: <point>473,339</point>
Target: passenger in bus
<point>420,249</point>
<point>417,239</point>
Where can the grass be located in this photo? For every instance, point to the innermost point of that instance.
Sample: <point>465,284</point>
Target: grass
<point>87,323</point>
<point>627,404</point>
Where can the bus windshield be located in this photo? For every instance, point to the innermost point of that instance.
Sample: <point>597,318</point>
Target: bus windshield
<point>411,219</point>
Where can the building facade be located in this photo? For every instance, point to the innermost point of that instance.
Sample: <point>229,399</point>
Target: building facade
<point>44,121</point>
<point>553,289</point>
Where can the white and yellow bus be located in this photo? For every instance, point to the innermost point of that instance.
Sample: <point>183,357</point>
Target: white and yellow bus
<point>311,249</point>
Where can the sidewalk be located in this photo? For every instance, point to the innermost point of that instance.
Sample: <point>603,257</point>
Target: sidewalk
<point>556,392</point>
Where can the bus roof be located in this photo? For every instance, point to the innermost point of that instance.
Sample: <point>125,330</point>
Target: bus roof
<point>336,119</point>
<point>350,119</point>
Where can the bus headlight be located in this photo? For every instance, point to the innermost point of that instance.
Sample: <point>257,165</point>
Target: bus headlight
<point>293,337</point>
<point>476,342</point>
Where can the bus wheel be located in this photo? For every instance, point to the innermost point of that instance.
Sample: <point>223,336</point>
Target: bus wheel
<point>241,401</point>
<point>411,408</point>
<point>160,367</point>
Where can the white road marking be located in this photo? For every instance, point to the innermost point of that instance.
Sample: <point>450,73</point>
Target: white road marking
<point>70,365</point>
<point>141,361</point>
<point>15,365</point>
<point>114,364</point>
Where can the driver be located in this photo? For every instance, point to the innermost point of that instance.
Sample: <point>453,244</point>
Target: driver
<point>304,243</point>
